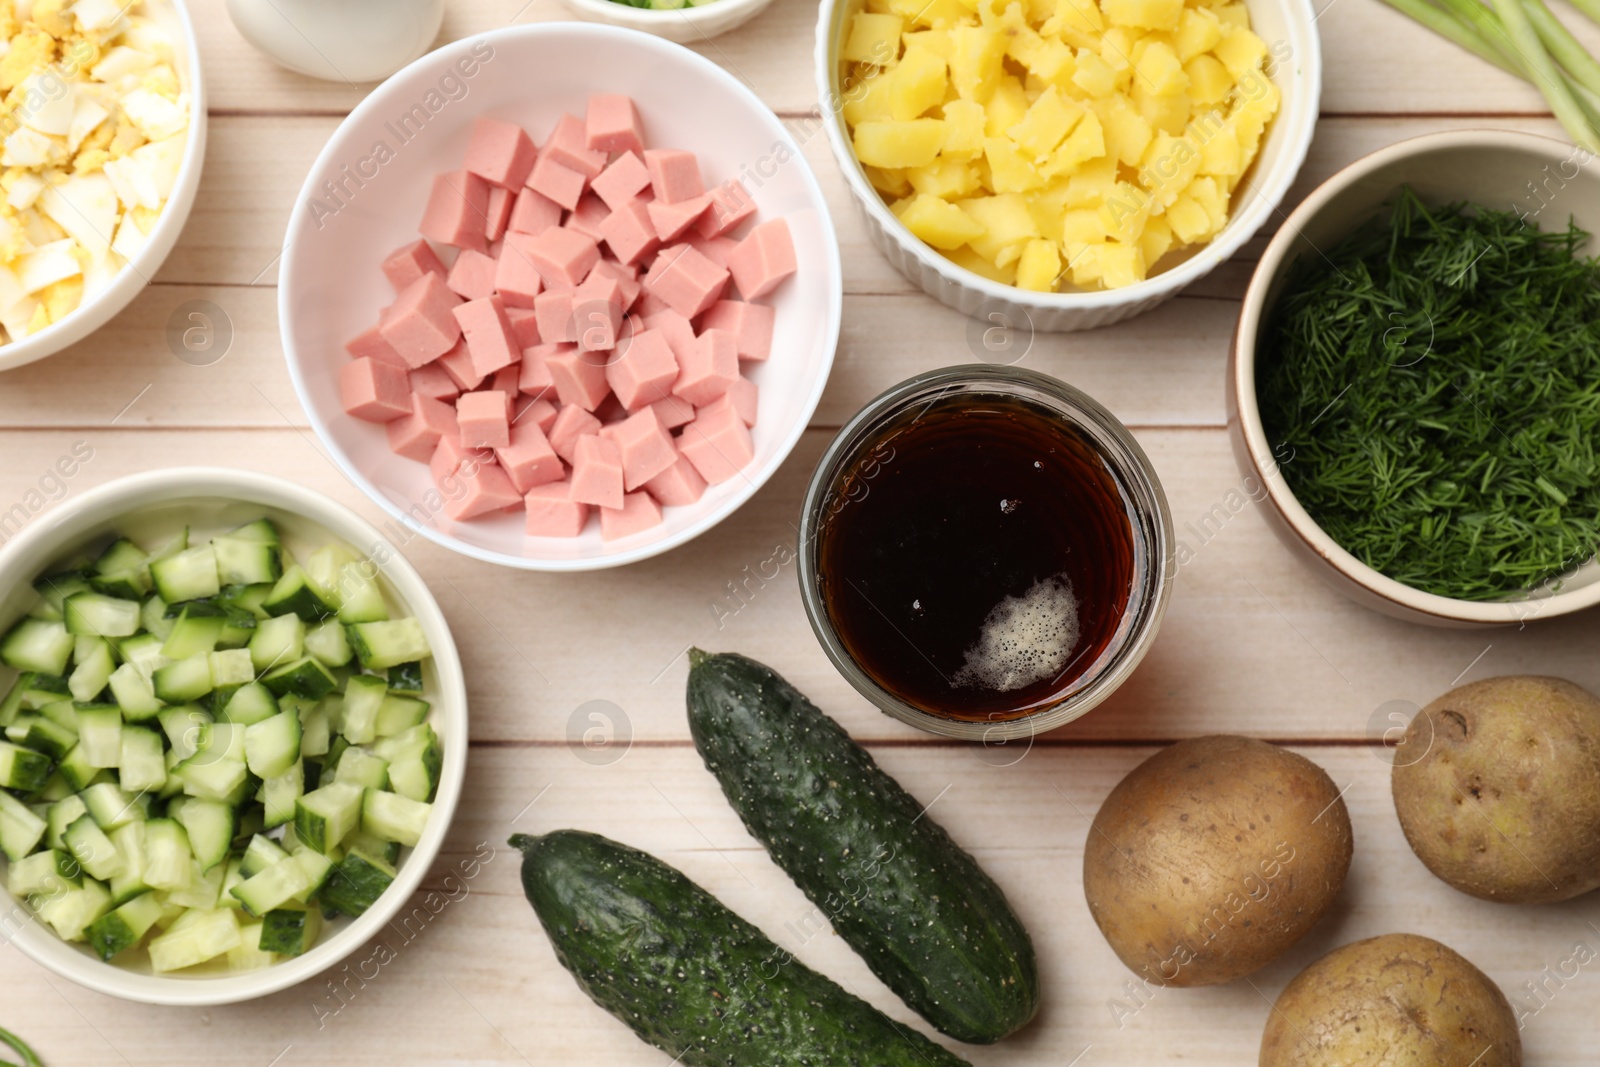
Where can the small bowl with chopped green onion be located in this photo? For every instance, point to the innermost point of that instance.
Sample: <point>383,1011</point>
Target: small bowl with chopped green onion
<point>234,734</point>
<point>1414,390</point>
<point>682,21</point>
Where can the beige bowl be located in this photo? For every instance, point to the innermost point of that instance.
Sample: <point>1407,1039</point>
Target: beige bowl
<point>1496,168</point>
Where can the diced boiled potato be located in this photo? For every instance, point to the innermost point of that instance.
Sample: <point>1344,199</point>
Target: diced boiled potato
<point>1077,21</point>
<point>1169,114</point>
<point>1209,80</point>
<point>1125,210</point>
<point>1169,165</point>
<point>967,258</point>
<point>1007,106</point>
<point>899,144</point>
<point>963,129</point>
<point>1156,240</point>
<point>1120,264</point>
<point>1038,266</point>
<point>1240,50</point>
<point>1052,62</point>
<point>940,224</point>
<point>1189,221</point>
<point>1094,76</point>
<point>946,177</point>
<point>1046,124</point>
<point>1116,48</point>
<point>1082,226</point>
<point>869,100</point>
<point>917,84</point>
<point>1160,72</point>
<point>1091,182</point>
<point>1086,142</point>
<point>975,61</point>
<point>1235,14</point>
<point>1006,225</point>
<point>873,39</point>
<point>1126,132</point>
<point>938,42</point>
<point>890,181</point>
<point>1206,193</point>
<point>1010,171</point>
<point>1220,153</point>
<point>1144,14</point>
<point>1198,31</point>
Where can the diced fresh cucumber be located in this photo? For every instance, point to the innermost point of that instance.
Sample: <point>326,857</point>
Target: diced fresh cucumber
<point>316,868</point>
<point>210,825</point>
<point>93,666</point>
<point>134,693</point>
<point>195,631</point>
<point>143,651</point>
<point>232,875</point>
<point>356,883</point>
<point>281,794</point>
<point>100,734</point>
<point>305,677</point>
<point>222,740</point>
<point>359,767</point>
<point>143,765</point>
<point>122,570</point>
<point>37,645</point>
<point>211,777</point>
<point>232,667</point>
<point>248,955</point>
<point>43,874</point>
<point>55,787</point>
<point>250,822</point>
<point>204,890</point>
<point>326,642</point>
<point>278,641</point>
<point>32,691</point>
<point>238,628</point>
<point>168,861</point>
<point>92,849</point>
<point>195,938</point>
<point>272,746</point>
<point>111,807</point>
<point>248,598</point>
<point>399,714</point>
<point>60,815</point>
<point>99,615</point>
<point>21,828</point>
<point>381,645</point>
<point>316,734</point>
<point>54,589</point>
<point>372,848</point>
<point>188,575</point>
<point>323,566</point>
<point>360,594</point>
<point>298,593</point>
<point>71,913</point>
<point>290,931</point>
<point>325,816</point>
<point>244,562</point>
<point>406,679</point>
<point>392,817</point>
<point>154,617</point>
<point>261,853</point>
<point>261,531</point>
<point>249,704</point>
<point>363,698</point>
<point>125,926</point>
<point>130,842</point>
<point>185,727</point>
<point>274,887</point>
<point>23,769</point>
<point>33,730</point>
<point>185,680</point>
<point>64,712</point>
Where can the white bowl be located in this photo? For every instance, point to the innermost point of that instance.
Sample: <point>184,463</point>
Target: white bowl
<point>686,25</point>
<point>1283,24</point>
<point>348,41</point>
<point>138,272</point>
<point>1480,166</point>
<point>530,75</point>
<point>212,500</point>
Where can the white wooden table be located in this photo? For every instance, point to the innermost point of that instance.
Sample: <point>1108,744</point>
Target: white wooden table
<point>1252,643</point>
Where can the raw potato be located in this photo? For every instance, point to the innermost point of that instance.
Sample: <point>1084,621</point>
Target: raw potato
<point>1391,1000</point>
<point>1505,802</point>
<point>1213,857</point>
<point>1056,143</point>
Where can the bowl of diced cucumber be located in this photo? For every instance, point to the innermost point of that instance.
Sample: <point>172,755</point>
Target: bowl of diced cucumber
<point>232,735</point>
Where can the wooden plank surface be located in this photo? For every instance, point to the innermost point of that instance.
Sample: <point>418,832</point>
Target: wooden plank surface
<point>1252,642</point>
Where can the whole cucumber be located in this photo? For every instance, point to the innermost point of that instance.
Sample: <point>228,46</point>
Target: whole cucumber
<point>691,977</point>
<point>921,912</point>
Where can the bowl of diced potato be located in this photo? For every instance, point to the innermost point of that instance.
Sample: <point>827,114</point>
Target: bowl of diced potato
<point>1065,164</point>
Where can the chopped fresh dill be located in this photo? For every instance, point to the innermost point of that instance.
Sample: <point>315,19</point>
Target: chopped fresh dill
<point>1432,388</point>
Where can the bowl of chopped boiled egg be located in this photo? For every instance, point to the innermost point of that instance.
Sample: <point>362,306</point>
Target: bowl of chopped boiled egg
<point>1065,164</point>
<point>102,135</point>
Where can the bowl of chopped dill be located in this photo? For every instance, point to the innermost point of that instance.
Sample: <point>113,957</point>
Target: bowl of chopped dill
<point>1415,379</point>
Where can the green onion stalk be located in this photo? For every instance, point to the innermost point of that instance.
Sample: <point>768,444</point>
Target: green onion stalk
<point>1524,38</point>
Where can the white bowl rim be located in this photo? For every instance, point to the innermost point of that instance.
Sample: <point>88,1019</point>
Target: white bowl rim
<point>1243,384</point>
<point>41,944</point>
<point>85,319</point>
<point>1235,233</point>
<point>753,477</point>
<point>644,16</point>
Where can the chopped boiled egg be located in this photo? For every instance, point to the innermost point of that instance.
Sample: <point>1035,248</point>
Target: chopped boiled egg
<point>47,264</point>
<point>85,206</point>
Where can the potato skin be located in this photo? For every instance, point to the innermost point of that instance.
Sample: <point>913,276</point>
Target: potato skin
<point>1505,802</point>
<point>1395,999</point>
<point>1214,856</point>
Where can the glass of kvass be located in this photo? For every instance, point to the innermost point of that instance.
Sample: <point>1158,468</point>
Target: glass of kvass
<point>986,552</point>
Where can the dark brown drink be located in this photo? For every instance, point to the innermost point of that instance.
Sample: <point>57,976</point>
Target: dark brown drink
<point>979,559</point>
